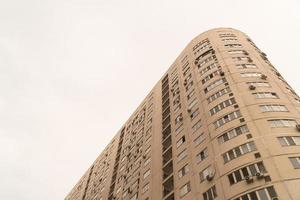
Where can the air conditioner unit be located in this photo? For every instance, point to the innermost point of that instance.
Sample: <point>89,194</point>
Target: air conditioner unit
<point>249,179</point>
<point>179,119</point>
<point>298,127</point>
<point>264,77</point>
<point>222,73</point>
<point>259,175</point>
<point>252,87</point>
<point>210,176</point>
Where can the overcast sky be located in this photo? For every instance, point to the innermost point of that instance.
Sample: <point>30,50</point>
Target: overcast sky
<point>65,66</point>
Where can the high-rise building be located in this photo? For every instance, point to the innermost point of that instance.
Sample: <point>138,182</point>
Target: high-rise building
<point>222,123</point>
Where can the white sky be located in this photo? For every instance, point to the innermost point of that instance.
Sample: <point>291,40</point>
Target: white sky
<point>65,65</point>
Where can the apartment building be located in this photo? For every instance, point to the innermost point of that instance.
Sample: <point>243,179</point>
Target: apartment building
<point>221,124</point>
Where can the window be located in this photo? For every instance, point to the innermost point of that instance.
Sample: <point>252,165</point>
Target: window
<point>181,155</point>
<point>179,129</point>
<point>239,151</point>
<point>118,190</point>
<point>204,54</point>
<point>183,171</point>
<point>207,60</point>
<point>237,52</point>
<point>194,113</point>
<point>134,184</point>
<point>177,107</point>
<point>233,45</point>
<point>210,76</point>
<point>176,100</point>
<point>232,133</point>
<point>134,197</point>
<point>201,45</point>
<point>186,71</point>
<point>148,150</point>
<point>145,188</point>
<point>175,92</point>
<point>289,140</point>
<point>122,168</point>
<point>185,189</point>
<point>175,83</point>
<point>148,139</point>
<point>265,95</point>
<point>196,126</point>
<point>242,58</point>
<point>188,77</point>
<point>218,94</point>
<point>267,193</point>
<point>259,84</point>
<point>222,105</point>
<point>280,123</point>
<point>191,94</point>
<point>227,118</point>
<point>192,104</point>
<point>147,161</point>
<point>210,194</point>
<point>185,65</point>
<point>246,66</point>
<point>295,162</point>
<point>229,39</point>
<point>175,77</point>
<point>250,74</point>
<point>222,35</point>
<point>204,173</point>
<point>189,86</point>
<point>180,141</point>
<point>202,155</point>
<point>199,139</point>
<point>214,84</point>
<point>273,108</point>
<point>248,171</point>
<point>209,67</point>
<point>147,173</point>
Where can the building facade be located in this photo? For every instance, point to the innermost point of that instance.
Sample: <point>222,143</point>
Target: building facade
<point>222,123</point>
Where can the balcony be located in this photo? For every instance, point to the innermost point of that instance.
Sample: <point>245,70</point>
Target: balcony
<point>167,170</point>
<point>167,156</point>
<point>167,143</point>
<point>168,186</point>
